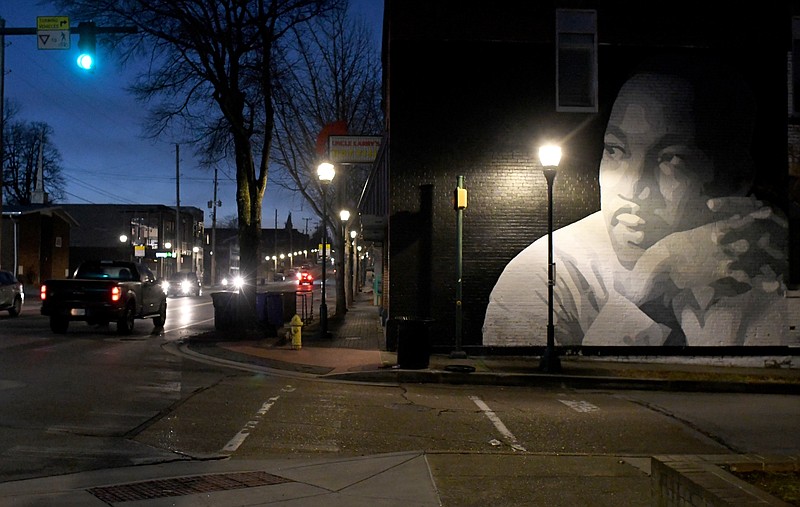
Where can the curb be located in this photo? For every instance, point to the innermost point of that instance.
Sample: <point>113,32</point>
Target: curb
<point>394,375</point>
<point>564,381</point>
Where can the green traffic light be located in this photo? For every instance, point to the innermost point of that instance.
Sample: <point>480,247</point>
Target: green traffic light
<point>85,61</point>
<point>87,44</point>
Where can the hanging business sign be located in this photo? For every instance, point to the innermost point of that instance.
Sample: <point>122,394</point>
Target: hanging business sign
<point>353,149</point>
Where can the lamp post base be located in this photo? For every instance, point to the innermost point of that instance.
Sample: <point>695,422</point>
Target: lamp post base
<point>323,320</point>
<point>550,362</point>
<point>458,354</point>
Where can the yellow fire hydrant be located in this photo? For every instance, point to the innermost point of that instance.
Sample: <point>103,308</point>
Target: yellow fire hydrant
<point>296,330</point>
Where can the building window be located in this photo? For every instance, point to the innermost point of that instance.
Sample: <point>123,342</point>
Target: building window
<point>576,61</point>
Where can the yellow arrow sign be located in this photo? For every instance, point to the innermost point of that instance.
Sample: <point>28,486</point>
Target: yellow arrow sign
<point>52,22</point>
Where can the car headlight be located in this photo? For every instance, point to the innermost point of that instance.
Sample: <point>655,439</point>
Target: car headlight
<point>185,286</point>
<point>165,286</point>
<point>238,282</point>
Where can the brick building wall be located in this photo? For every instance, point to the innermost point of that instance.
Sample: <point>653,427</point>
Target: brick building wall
<point>476,99</point>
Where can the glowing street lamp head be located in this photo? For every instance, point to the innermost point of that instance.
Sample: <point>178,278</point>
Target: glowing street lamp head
<point>344,215</point>
<point>326,172</point>
<point>550,155</point>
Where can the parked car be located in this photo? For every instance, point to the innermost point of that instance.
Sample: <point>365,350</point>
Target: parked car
<point>183,283</point>
<point>12,293</point>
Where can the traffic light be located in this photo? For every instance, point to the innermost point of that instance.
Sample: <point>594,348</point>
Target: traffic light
<point>87,45</point>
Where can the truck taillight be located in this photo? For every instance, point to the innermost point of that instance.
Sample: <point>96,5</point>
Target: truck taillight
<point>116,293</point>
<point>43,292</point>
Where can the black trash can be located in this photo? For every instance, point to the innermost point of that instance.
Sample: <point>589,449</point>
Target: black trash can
<point>224,309</point>
<point>274,309</point>
<point>261,307</point>
<point>413,342</point>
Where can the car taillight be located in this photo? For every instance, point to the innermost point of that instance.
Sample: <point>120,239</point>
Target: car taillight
<point>43,292</point>
<point>116,293</point>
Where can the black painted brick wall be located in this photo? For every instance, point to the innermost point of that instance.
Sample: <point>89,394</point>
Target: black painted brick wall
<point>479,109</point>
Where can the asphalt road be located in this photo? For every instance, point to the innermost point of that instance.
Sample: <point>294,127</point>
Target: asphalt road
<point>92,399</point>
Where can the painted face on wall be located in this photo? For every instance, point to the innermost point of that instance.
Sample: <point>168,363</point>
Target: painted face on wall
<point>652,174</point>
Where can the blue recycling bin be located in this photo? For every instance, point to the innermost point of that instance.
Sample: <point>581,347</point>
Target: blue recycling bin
<point>261,307</point>
<point>274,309</point>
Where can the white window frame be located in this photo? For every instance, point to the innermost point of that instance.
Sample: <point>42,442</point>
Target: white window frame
<point>576,32</point>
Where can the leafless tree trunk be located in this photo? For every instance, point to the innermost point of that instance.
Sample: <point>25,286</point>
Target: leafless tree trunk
<point>211,66</point>
<point>333,74</point>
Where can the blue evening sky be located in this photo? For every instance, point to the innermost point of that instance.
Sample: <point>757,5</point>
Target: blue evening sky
<point>98,127</point>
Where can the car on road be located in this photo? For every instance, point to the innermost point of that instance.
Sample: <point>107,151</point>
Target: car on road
<point>305,280</point>
<point>183,283</point>
<point>12,293</point>
<point>104,291</point>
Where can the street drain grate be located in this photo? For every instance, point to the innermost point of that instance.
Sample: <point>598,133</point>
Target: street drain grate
<point>180,486</point>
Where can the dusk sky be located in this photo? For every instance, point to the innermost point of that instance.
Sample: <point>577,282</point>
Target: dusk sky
<point>98,127</point>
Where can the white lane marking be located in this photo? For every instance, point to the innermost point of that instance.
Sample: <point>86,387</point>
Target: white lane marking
<point>240,437</point>
<point>580,406</point>
<point>489,413</point>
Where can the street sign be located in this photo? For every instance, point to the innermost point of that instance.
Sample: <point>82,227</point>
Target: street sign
<point>52,32</point>
<point>138,250</point>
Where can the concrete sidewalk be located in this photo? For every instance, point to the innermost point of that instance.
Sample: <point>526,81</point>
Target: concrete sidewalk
<point>356,351</point>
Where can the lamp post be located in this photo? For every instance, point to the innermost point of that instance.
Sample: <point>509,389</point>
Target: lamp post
<point>352,263</point>
<point>326,172</point>
<point>550,156</point>
<point>342,304</point>
<point>123,239</point>
<point>167,246</point>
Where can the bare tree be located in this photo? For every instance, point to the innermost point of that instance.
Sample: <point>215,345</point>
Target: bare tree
<point>332,73</point>
<point>24,141</point>
<point>211,64</point>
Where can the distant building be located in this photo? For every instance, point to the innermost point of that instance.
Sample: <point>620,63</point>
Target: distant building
<point>142,232</point>
<point>36,239</point>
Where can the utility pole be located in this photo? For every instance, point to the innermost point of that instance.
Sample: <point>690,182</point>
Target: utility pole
<point>214,232</point>
<point>2,127</point>
<point>306,233</point>
<point>178,207</point>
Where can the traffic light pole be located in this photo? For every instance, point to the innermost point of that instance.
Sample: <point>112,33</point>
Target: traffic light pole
<point>32,31</point>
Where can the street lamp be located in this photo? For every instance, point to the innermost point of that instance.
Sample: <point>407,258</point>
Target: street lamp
<point>326,172</point>
<point>353,269</point>
<point>123,239</point>
<point>550,156</point>
<point>344,217</point>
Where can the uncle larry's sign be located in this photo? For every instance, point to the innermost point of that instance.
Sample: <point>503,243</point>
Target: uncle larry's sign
<point>353,149</point>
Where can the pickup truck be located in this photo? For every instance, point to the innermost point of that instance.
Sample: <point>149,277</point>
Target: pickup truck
<point>103,291</point>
